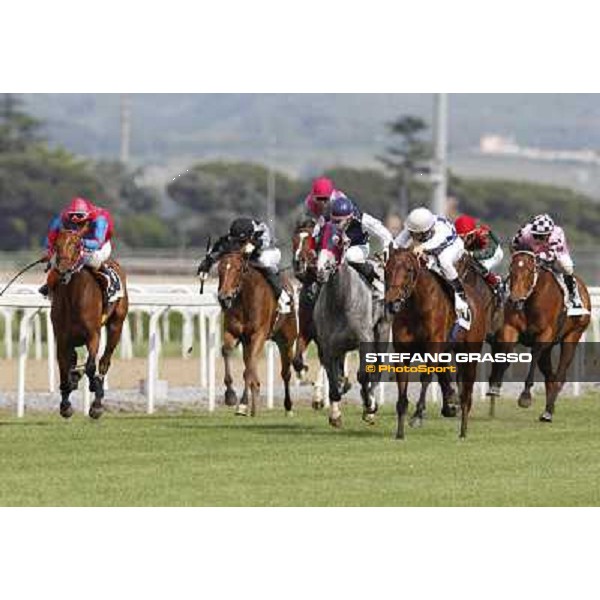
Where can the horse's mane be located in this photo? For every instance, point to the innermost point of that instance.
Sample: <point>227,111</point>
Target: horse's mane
<point>305,223</point>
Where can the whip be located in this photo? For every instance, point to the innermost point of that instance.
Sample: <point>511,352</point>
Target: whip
<point>37,262</point>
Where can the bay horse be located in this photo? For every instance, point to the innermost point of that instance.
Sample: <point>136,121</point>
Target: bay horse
<point>345,316</point>
<point>251,317</point>
<point>423,321</point>
<point>304,262</point>
<point>535,313</point>
<point>78,313</point>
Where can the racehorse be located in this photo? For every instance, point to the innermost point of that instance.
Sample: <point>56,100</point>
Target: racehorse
<point>535,312</point>
<point>78,312</point>
<point>424,320</point>
<point>345,316</point>
<point>305,269</point>
<point>251,317</point>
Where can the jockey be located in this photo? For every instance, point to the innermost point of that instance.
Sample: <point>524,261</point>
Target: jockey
<point>97,224</point>
<point>254,238</point>
<point>548,242</point>
<point>357,226</point>
<point>435,236</point>
<point>483,245</point>
<point>317,203</point>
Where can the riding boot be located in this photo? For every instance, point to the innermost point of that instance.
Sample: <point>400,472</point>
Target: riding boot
<point>283,298</point>
<point>576,306</point>
<point>461,305</point>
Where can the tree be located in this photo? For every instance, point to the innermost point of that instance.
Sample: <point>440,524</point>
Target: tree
<point>18,130</point>
<point>408,157</point>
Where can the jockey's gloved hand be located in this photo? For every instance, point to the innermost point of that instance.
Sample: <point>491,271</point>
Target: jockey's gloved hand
<point>248,248</point>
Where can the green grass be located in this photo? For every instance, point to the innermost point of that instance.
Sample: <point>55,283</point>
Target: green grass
<point>202,459</point>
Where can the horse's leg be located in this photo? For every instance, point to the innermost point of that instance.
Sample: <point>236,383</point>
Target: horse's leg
<point>335,414</point>
<point>367,393</point>
<point>467,381</point>
<point>227,348</point>
<point>448,395</point>
<point>545,365</point>
<point>555,383</point>
<point>95,383</point>
<point>345,384</point>
<point>252,351</point>
<point>285,343</point>
<point>417,418</point>
<point>505,342</point>
<point>65,357</point>
<point>401,403</point>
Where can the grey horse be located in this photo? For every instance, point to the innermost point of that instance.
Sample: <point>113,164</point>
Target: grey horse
<point>345,315</point>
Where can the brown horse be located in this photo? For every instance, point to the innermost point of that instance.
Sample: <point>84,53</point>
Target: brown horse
<point>250,309</point>
<point>424,318</point>
<point>305,270</point>
<point>78,314</point>
<point>535,312</point>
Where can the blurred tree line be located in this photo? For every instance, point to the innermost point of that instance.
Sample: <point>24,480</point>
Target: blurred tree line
<point>37,180</point>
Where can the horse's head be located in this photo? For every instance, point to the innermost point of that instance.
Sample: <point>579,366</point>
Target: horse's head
<point>330,251</point>
<point>232,267</point>
<point>401,273</point>
<point>68,251</point>
<point>304,249</point>
<point>522,276</point>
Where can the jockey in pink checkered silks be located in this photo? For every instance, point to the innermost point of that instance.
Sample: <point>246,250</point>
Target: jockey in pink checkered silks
<point>548,242</point>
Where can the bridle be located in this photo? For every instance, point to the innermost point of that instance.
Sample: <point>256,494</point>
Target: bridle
<point>404,291</point>
<point>67,274</point>
<point>245,261</point>
<point>520,301</point>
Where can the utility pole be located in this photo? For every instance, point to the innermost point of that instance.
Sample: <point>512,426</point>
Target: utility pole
<point>271,216</point>
<point>440,158</point>
<point>125,127</point>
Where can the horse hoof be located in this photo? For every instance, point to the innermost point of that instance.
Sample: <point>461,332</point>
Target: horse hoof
<point>318,404</point>
<point>289,413</point>
<point>336,422</point>
<point>95,412</point>
<point>416,422</point>
<point>369,418</point>
<point>242,411</point>
<point>66,411</point>
<point>546,417</point>
<point>493,391</point>
<point>524,400</point>
<point>230,398</point>
<point>449,412</point>
<point>399,436</point>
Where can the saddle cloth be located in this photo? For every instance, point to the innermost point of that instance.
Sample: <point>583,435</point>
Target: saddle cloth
<point>111,282</point>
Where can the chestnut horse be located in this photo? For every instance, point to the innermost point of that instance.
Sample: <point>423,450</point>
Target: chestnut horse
<point>305,270</point>
<point>251,317</point>
<point>535,312</point>
<point>423,321</point>
<point>78,314</point>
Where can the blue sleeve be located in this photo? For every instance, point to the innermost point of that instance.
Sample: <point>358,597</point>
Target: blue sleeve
<point>54,226</point>
<point>100,230</point>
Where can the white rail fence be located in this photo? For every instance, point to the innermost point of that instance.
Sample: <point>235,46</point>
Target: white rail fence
<point>157,301</point>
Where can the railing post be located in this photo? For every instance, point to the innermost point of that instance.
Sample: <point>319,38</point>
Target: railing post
<point>28,314</point>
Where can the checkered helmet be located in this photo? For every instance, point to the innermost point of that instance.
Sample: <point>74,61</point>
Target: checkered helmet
<point>542,225</point>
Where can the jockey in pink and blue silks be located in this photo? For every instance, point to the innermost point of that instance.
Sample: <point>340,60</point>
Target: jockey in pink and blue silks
<point>549,243</point>
<point>97,225</point>
<point>326,203</point>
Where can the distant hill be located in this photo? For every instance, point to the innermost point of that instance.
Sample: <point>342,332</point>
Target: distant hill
<point>312,131</point>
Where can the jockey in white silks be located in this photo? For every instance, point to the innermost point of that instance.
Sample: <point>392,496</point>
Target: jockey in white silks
<point>435,237</point>
<point>255,239</point>
<point>548,242</point>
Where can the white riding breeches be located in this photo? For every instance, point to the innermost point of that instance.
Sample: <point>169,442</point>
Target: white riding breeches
<point>564,264</point>
<point>358,254</point>
<point>449,257</point>
<point>97,257</point>
<point>493,261</point>
<point>269,258</point>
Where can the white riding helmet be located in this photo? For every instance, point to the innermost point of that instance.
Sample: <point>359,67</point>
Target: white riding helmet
<point>542,225</point>
<point>420,220</point>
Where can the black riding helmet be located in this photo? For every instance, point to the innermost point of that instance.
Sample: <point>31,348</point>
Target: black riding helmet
<point>242,229</point>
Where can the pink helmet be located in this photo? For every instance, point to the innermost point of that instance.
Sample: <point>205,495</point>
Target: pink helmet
<point>79,210</point>
<point>322,187</point>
